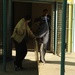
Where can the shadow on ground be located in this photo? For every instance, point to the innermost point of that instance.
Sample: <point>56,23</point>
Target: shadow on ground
<point>59,62</point>
<point>31,68</point>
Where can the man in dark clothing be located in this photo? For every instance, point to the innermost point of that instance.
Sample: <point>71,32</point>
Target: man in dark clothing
<point>19,36</point>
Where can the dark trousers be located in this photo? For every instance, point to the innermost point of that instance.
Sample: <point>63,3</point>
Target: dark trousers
<point>21,51</point>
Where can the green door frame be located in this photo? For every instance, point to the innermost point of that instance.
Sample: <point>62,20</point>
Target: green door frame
<point>4,34</point>
<point>5,31</point>
<point>9,29</point>
<point>63,38</point>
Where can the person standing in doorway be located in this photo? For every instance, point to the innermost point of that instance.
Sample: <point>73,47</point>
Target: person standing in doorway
<point>19,36</point>
<point>44,27</point>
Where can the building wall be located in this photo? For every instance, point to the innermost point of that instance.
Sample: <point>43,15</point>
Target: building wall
<point>19,10</point>
<point>73,27</point>
<point>70,1</point>
<point>59,28</point>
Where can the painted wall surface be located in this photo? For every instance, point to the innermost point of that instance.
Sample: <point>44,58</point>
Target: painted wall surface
<point>73,40</point>
<point>74,1</point>
<point>70,1</point>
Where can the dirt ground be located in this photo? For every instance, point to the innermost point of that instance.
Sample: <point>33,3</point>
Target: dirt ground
<point>51,67</point>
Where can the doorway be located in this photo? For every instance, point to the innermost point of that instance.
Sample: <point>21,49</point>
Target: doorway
<point>35,10</point>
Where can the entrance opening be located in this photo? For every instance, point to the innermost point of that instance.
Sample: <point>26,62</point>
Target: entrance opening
<point>34,9</point>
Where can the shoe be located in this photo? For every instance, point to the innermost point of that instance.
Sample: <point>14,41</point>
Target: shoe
<point>43,61</point>
<point>17,68</point>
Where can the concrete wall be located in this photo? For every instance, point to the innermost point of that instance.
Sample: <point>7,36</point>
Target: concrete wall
<point>73,29</point>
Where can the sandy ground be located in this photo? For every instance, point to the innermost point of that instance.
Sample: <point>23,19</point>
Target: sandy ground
<point>51,67</point>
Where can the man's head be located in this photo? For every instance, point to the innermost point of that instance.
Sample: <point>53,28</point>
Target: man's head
<point>45,12</point>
